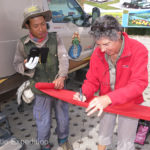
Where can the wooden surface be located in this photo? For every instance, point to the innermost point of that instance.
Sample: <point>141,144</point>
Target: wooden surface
<point>12,83</point>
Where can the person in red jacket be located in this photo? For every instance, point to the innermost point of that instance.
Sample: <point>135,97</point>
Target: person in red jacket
<point>118,69</point>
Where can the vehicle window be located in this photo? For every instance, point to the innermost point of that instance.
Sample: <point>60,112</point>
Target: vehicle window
<point>65,11</point>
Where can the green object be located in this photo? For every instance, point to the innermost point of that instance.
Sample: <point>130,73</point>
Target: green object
<point>75,41</point>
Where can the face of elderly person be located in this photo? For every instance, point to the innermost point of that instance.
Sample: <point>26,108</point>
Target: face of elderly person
<point>37,27</point>
<point>107,32</point>
<point>108,46</point>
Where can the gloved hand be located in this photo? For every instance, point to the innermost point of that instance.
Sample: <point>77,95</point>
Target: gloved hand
<point>31,64</point>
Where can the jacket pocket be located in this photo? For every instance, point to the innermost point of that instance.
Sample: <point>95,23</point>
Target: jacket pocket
<point>123,76</point>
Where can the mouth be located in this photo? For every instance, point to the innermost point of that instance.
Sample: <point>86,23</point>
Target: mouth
<point>42,35</point>
<point>108,52</point>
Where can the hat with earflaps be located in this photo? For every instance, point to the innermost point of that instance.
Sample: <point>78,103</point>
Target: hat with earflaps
<point>35,11</point>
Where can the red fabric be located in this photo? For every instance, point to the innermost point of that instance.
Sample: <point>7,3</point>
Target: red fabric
<point>131,74</point>
<point>128,109</point>
<point>36,39</point>
<point>44,85</point>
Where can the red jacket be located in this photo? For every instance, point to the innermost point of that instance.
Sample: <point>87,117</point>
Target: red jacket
<point>131,74</point>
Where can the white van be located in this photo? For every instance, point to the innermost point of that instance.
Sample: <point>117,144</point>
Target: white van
<point>68,19</point>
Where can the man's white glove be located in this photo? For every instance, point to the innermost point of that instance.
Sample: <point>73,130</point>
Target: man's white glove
<point>31,64</point>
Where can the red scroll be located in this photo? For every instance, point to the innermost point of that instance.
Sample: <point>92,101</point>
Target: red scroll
<point>129,110</point>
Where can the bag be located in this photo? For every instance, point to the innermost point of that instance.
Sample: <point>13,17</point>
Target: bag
<point>28,95</point>
<point>25,93</point>
<point>142,132</point>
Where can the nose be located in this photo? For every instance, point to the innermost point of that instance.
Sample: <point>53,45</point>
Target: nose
<point>103,48</point>
<point>40,28</point>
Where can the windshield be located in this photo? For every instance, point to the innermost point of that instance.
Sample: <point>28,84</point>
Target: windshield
<point>65,10</point>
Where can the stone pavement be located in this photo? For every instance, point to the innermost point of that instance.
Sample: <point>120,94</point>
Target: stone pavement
<point>83,129</point>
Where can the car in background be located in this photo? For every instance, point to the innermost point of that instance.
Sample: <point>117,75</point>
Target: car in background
<point>142,4</point>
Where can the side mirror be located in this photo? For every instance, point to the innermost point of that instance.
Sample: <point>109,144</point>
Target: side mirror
<point>83,20</point>
<point>95,14</point>
<point>86,18</point>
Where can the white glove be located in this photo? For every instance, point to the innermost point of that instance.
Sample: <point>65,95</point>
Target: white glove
<point>31,64</point>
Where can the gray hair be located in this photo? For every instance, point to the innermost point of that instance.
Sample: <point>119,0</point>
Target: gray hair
<point>106,26</point>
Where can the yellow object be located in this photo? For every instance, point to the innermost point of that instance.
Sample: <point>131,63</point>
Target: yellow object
<point>2,80</point>
<point>87,58</point>
<point>31,9</point>
<point>40,59</point>
<point>76,35</point>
